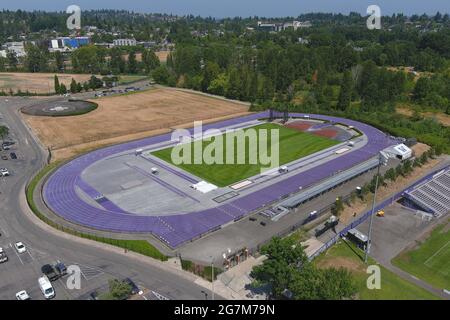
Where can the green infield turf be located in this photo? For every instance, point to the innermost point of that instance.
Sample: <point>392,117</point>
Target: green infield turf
<point>345,254</point>
<point>430,260</point>
<point>292,145</point>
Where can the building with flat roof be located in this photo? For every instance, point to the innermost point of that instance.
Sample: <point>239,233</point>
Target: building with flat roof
<point>125,42</point>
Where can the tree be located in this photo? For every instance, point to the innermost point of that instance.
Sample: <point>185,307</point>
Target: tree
<point>36,58</point>
<point>95,83</point>
<point>62,88</point>
<point>118,290</point>
<point>161,75</point>
<point>4,131</point>
<point>422,89</point>
<point>283,257</point>
<point>57,85</point>
<point>390,174</point>
<point>149,60</point>
<point>345,95</point>
<point>11,57</point>
<point>117,62</point>
<point>132,62</point>
<point>59,61</point>
<point>338,207</point>
<point>288,268</point>
<point>210,72</point>
<point>73,86</point>
<point>219,85</point>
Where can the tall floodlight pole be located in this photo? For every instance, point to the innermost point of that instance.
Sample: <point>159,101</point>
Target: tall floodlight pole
<point>212,278</point>
<point>381,160</point>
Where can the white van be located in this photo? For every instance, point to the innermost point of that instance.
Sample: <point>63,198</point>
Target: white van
<point>46,287</point>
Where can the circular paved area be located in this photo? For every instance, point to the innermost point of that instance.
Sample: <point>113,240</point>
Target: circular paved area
<point>59,108</point>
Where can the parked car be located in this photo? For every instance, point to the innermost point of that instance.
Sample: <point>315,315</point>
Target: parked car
<point>252,219</point>
<point>263,223</point>
<point>20,247</point>
<point>93,295</point>
<point>134,288</point>
<point>61,269</point>
<point>46,287</point>
<point>13,155</point>
<point>4,172</point>
<point>50,272</point>
<point>3,256</point>
<point>22,295</point>
<point>4,157</point>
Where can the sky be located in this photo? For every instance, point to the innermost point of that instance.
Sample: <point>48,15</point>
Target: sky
<point>243,8</point>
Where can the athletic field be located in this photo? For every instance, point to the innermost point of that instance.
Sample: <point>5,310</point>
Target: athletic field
<point>430,260</point>
<point>346,255</point>
<point>292,145</point>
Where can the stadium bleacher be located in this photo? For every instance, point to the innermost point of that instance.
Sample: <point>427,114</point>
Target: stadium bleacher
<point>434,195</point>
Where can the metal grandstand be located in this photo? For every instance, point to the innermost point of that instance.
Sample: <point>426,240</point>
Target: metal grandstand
<point>434,195</point>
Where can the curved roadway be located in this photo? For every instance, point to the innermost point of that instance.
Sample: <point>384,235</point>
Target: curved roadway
<point>17,225</point>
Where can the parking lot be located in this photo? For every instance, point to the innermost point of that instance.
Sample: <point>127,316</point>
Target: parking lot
<point>22,270</point>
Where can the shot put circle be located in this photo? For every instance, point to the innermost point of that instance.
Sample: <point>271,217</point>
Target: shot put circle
<point>60,108</point>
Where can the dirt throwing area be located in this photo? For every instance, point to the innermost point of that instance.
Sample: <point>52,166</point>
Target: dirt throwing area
<point>36,82</point>
<point>124,118</point>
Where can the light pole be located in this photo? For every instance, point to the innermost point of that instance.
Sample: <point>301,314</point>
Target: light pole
<point>382,160</point>
<point>212,278</point>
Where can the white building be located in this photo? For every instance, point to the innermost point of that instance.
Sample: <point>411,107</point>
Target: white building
<point>399,151</point>
<point>124,42</point>
<point>17,47</point>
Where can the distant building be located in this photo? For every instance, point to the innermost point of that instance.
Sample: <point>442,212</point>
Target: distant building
<point>17,47</point>
<point>68,43</point>
<point>147,44</point>
<point>283,26</point>
<point>303,40</point>
<point>267,26</point>
<point>125,42</point>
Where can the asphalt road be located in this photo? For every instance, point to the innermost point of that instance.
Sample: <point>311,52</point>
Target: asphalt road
<point>97,265</point>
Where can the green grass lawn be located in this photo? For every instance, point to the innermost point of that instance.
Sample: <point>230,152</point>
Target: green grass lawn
<point>393,287</point>
<point>430,260</point>
<point>292,145</point>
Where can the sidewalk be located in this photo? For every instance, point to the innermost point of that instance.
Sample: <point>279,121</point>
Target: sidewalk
<point>234,283</point>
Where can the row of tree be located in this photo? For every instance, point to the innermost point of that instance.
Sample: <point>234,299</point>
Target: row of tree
<point>89,59</point>
<point>76,87</point>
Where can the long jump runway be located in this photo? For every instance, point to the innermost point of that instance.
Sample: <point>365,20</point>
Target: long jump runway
<point>61,196</point>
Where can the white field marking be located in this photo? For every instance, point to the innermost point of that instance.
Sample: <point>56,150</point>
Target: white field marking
<point>425,263</point>
<point>15,251</point>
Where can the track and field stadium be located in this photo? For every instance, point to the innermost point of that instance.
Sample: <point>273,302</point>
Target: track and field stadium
<point>135,187</point>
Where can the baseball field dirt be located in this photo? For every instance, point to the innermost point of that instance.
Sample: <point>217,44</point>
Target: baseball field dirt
<point>128,117</point>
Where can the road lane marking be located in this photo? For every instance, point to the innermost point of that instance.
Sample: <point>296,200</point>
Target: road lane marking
<point>15,251</point>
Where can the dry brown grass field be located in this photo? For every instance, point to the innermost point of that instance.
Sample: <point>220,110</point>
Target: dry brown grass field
<point>162,55</point>
<point>439,116</point>
<point>36,82</point>
<point>127,117</point>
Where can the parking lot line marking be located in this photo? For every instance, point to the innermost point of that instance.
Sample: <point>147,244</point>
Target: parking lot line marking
<point>29,253</point>
<point>16,253</point>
